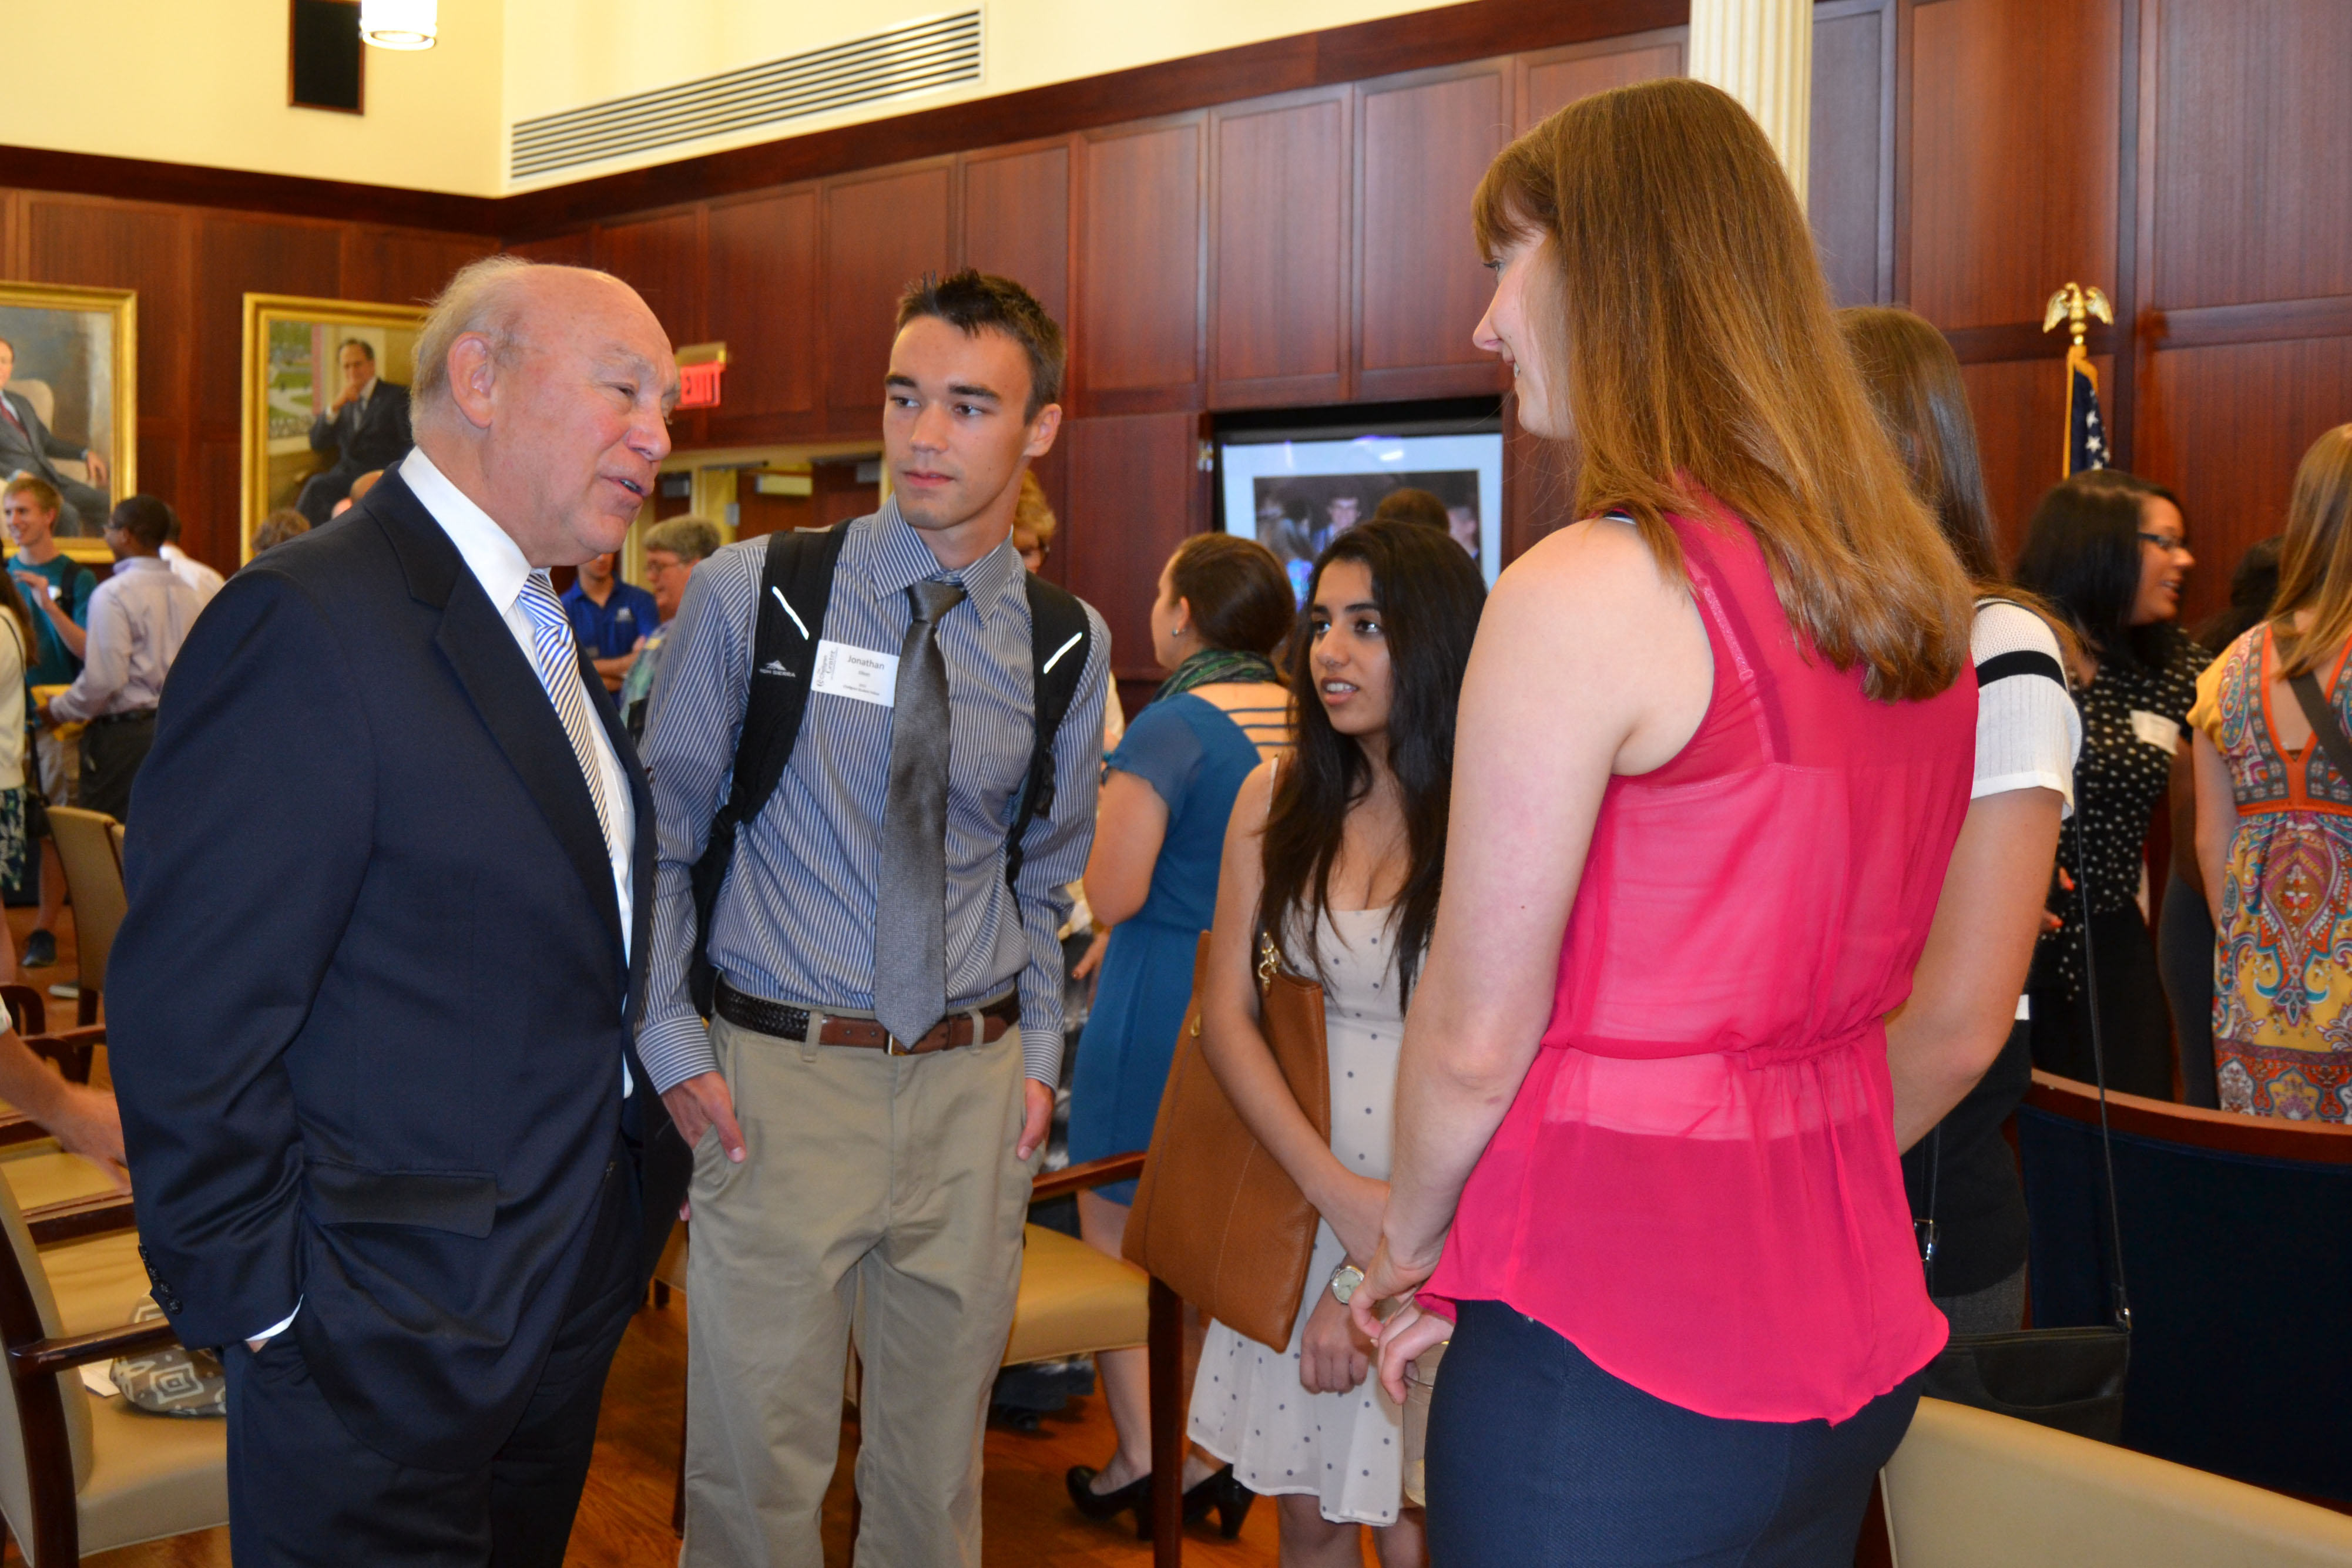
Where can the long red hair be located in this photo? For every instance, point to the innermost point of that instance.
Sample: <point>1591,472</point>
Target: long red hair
<point>1701,358</point>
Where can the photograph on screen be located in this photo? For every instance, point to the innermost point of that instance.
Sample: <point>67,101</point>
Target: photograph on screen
<point>1295,497</point>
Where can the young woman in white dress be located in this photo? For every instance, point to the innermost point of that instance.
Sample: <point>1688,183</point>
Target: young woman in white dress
<point>1336,852</point>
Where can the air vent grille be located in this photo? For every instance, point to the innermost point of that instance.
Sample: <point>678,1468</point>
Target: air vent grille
<point>921,57</point>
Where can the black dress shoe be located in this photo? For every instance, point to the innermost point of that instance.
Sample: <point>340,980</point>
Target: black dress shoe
<point>40,950</point>
<point>1136,1494</point>
<point>1224,1493</point>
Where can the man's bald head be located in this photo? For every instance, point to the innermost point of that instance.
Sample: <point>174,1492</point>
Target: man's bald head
<point>543,392</point>
<point>501,299</point>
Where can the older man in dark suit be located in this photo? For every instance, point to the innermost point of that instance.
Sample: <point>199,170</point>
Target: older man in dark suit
<point>366,427</point>
<point>28,445</point>
<point>391,1141</point>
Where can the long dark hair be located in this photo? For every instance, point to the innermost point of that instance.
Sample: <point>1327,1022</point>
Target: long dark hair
<point>2083,554</point>
<point>2253,584</point>
<point>1241,599</point>
<point>1430,595</point>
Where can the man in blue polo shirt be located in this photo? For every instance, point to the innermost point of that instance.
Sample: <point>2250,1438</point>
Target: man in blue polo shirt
<point>610,617</point>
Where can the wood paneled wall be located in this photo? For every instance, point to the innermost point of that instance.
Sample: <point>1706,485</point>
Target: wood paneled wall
<point>1312,246</point>
<point>1301,248</point>
<point>191,267</point>
<point>2187,156</point>
<point>1288,226</point>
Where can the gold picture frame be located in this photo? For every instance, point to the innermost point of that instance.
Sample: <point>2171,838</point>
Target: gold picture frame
<point>74,361</point>
<point>291,344</point>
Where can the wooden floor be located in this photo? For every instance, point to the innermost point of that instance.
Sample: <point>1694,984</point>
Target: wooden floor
<point>625,1512</point>
<point>625,1517</point>
<point>20,926</point>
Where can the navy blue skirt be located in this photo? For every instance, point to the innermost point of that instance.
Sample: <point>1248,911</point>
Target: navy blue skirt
<point>1537,1456</point>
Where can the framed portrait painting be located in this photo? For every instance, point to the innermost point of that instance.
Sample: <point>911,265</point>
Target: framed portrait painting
<point>70,401</point>
<point>326,402</point>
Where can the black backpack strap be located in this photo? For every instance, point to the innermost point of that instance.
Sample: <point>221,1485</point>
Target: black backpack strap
<point>1060,639</point>
<point>796,586</point>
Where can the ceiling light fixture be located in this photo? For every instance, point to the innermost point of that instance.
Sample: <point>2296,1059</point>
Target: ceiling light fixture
<point>400,24</point>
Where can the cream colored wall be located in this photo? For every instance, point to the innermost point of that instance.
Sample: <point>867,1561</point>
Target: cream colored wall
<point>204,81</point>
<point>569,53</point>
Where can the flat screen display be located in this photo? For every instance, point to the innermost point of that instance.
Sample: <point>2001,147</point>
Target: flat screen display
<point>1296,496</point>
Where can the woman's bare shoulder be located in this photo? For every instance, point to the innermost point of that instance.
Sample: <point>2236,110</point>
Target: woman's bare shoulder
<point>1591,580</point>
<point>1255,797</point>
<point>1606,554</point>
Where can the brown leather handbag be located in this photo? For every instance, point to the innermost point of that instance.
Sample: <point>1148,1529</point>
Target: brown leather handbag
<point>1216,1218</point>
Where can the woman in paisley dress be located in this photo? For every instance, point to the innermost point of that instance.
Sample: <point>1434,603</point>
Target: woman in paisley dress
<point>2274,821</point>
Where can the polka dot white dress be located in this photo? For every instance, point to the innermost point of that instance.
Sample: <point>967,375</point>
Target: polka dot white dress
<point>1248,1407</point>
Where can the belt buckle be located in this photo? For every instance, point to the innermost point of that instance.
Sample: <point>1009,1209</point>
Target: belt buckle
<point>893,1046</point>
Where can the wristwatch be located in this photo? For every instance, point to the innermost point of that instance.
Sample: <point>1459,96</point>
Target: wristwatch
<point>1344,1280</point>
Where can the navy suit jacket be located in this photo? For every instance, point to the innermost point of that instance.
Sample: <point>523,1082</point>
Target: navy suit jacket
<point>377,437</point>
<point>36,447</point>
<point>368,1011</point>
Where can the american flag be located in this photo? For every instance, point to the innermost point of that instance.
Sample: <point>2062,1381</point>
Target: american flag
<point>2086,434</point>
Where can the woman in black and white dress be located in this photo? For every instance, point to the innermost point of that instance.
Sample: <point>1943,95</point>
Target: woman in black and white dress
<point>2110,551</point>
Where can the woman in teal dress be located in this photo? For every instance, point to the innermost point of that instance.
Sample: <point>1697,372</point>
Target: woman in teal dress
<point>1223,607</point>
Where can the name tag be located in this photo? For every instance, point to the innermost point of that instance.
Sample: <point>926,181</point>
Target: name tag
<point>2155,729</point>
<point>860,673</point>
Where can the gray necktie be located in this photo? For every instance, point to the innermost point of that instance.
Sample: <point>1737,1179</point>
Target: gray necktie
<point>910,983</point>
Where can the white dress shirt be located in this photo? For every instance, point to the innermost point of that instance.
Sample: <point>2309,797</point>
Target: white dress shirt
<point>195,573</point>
<point>138,619</point>
<point>499,565</point>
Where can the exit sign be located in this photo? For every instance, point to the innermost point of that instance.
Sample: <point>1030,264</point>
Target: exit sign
<point>699,368</point>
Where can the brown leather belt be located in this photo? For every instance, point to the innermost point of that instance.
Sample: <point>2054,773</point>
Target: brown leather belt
<point>785,1023</point>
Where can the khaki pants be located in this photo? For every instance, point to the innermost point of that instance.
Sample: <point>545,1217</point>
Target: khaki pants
<point>878,1194</point>
<point>60,763</point>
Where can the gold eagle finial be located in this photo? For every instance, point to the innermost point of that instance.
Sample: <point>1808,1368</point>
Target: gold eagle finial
<point>2076,305</point>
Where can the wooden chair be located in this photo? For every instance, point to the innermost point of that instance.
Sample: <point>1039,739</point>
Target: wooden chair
<point>80,1475</point>
<point>1972,1489</point>
<point>28,1013</point>
<point>73,1051</point>
<point>2233,1232</point>
<point>91,852</point>
<point>1074,1301</point>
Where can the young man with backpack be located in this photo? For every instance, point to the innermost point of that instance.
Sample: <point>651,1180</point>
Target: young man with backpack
<point>874,752</point>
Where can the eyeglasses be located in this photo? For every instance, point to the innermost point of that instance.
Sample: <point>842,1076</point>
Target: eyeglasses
<point>2170,544</point>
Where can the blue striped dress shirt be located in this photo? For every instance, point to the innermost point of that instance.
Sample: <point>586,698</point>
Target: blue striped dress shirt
<point>795,922</point>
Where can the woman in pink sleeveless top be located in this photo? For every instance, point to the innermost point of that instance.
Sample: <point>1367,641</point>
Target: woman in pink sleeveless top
<point>1717,747</point>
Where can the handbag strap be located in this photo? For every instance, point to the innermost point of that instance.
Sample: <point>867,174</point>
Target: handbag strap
<point>2326,727</point>
<point>2099,1074</point>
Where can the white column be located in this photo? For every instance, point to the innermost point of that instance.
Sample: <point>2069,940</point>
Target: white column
<point>1761,53</point>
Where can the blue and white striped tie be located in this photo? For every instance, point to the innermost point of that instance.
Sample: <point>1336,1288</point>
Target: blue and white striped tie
<point>557,663</point>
